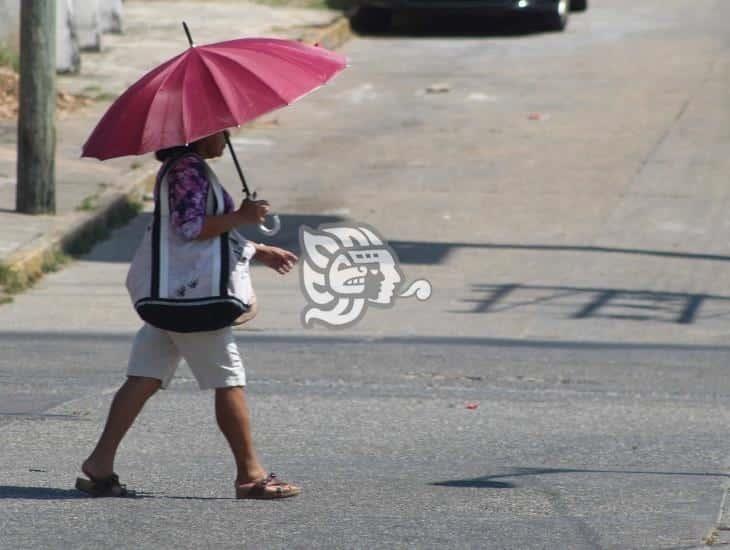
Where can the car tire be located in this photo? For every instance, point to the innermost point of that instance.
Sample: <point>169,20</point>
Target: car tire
<point>579,5</point>
<point>557,20</point>
<point>372,19</point>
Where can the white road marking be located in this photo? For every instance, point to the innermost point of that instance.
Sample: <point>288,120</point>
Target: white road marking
<point>261,142</point>
<point>479,96</point>
<point>360,94</point>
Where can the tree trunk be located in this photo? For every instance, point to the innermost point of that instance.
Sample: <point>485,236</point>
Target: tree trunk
<point>36,117</point>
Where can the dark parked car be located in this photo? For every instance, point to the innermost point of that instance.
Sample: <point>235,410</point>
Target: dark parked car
<point>376,15</point>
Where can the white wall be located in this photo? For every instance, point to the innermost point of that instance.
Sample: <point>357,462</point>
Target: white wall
<point>111,16</point>
<point>68,58</point>
<point>10,24</point>
<point>87,16</point>
<point>79,25</point>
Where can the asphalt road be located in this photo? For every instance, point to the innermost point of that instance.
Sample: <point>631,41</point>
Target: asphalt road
<point>565,195</point>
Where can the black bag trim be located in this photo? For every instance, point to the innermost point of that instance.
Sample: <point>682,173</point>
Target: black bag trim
<point>225,253</point>
<point>200,315</point>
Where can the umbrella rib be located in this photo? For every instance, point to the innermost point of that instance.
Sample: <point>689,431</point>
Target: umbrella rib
<point>249,71</point>
<point>283,45</point>
<point>300,62</point>
<point>184,98</point>
<point>172,70</point>
<point>220,88</point>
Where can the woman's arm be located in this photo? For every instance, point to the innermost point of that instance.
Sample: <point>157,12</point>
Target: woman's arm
<point>248,213</point>
<point>280,260</point>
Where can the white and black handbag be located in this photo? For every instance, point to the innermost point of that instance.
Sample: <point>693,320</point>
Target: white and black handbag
<point>190,285</point>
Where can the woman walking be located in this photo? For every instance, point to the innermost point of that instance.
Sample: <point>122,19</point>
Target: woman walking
<point>212,356</point>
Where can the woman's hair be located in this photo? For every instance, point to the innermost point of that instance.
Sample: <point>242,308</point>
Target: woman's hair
<point>163,154</point>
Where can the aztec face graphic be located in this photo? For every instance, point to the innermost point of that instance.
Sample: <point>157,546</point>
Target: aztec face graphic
<point>344,269</point>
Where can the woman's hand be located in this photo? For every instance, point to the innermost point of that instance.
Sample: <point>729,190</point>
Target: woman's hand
<point>278,259</point>
<point>252,211</point>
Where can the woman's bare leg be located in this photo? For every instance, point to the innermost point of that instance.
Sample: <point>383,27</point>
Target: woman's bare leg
<point>127,404</point>
<point>231,412</point>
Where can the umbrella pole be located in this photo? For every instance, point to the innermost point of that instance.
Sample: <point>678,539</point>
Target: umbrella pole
<point>270,231</point>
<point>187,32</point>
<point>238,166</point>
<point>228,139</point>
<point>276,222</point>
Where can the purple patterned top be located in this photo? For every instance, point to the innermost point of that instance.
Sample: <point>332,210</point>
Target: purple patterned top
<point>188,196</point>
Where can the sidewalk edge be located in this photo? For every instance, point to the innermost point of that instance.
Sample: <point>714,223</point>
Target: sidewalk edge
<point>75,233</point>
<point>331,36</point>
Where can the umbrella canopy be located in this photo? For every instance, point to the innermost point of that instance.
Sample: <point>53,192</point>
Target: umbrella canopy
<point>207,89</point>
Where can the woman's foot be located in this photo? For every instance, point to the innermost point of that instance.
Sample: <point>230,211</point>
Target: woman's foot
<point>96,470</point>
<point>100,485</point>
<point>266,488</point>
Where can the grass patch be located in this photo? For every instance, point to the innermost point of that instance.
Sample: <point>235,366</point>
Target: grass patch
<point>12,282</point>
<point>54,261</point>
<point>88,204</point>
<point>9,58</point>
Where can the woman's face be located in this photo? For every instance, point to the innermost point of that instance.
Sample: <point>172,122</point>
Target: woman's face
<point>211,146</point>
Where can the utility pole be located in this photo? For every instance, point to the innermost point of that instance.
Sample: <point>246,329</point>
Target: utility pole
<point>37,108</point>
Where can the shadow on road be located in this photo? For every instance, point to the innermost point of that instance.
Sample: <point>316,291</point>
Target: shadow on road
<point>50,493</point>
<point>409,252</point>
<point>599,303</point>
<point>122,249</point>
<point>484,482</point>
<point>424,252</point>
<point>51,340</point>
<point>490,481</point>
<point>38,493</point>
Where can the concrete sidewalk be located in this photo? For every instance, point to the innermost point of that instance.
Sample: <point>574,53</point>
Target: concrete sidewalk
<point>90,195</point>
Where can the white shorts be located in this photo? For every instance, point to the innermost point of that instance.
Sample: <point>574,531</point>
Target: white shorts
<point>212,356</point>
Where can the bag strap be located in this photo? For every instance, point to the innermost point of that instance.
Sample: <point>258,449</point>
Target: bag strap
<point>160,228</point>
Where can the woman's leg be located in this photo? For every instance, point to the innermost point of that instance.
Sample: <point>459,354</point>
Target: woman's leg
<point>231,412</point>
<point>127,404</point>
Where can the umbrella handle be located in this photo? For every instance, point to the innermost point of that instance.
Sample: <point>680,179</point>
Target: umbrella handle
<point>268,231</point>
<point>274,229</point>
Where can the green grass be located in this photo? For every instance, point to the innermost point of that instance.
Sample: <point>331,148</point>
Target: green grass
<point>88,204</point>
<point>54,261</point>
<point>9,58</point>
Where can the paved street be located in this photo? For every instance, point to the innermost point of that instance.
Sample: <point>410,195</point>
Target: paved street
<point>566,196</point>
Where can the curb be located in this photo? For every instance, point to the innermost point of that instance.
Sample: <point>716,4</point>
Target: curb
<point>75,233</point>
<point>331,36</point>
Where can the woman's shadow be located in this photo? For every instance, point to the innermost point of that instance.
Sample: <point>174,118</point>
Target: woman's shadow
<point>53,493</point>
<point>47,493</point>
<point>38,493</point>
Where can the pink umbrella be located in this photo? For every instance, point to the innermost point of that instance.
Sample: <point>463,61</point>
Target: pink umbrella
<point>207,89</point>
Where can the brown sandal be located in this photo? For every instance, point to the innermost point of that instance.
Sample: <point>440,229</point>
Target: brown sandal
<point>267,488</point>
<point>103,487</point>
